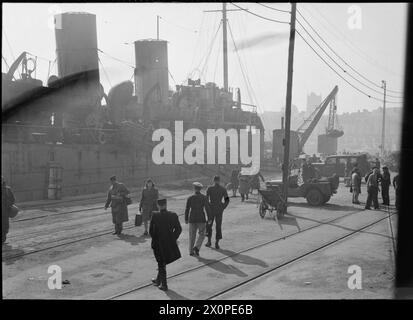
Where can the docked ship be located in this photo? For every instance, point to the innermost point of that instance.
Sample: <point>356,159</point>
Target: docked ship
<point>66,137</point>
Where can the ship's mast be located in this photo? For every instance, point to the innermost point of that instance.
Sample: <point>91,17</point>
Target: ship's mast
<point>224,39</point>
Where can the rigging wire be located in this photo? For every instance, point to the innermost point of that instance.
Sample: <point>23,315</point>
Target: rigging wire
<point>210,50</point>
<point>259,16</point>
<point>116,59</point>
<point>337,64</point>
<point>240,63</point>
<point>104,71</point>
<point>197,43</point>
<point>345,62</point>
<point>250,90</point>
<point>352,85</point>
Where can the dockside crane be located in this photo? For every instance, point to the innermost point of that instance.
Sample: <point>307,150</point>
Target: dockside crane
<point>306,128</point>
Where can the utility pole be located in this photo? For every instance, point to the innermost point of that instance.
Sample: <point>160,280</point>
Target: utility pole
<point>224,12</point>
<point>286,163</point>
<point>383,126</point>
<point>157,27</point>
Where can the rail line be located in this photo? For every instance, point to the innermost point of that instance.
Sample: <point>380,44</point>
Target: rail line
<point>246,250</point>
<point>296,259</point>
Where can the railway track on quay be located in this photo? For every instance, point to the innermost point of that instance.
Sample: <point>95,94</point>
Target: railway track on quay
<point>274,268</point>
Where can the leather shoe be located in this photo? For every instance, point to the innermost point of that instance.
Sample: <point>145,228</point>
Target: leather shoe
<point>208,244</point>
<point>155,281</point>
<point>163,287</point>
<point>216,245</point>
<point>196,251</point>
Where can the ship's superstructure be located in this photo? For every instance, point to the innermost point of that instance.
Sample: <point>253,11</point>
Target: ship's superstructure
<point>71,124</point>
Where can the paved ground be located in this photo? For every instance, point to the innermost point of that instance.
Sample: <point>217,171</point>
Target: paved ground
<point>77,236</point>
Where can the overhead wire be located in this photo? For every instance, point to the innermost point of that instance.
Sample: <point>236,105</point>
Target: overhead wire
<point>352,85</point>
<point>337,64</point>
<point>356,49</point>
<point>344,61</point>
<point>259,16</point>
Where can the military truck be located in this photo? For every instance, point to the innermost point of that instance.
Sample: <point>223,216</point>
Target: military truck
<point>317,191</point>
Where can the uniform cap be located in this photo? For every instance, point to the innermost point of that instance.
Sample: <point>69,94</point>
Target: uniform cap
<point>198,185</point>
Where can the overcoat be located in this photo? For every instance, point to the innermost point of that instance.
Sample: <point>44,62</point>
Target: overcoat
<point>148,203</point>
<point>244,184</point>
<point>116,200</point>
<point>165,230</point>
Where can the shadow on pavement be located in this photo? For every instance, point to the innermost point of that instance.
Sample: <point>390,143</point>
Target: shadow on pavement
<point>242,258</point>
<point>10,255</point>
<point>289,221</point>
<point>132,239</point>
<point>222,267</point>
<point>173,295</point>
<point>327,206</point>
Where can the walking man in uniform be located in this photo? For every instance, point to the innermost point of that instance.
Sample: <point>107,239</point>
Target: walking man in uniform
<point>116,199</point>
<point>196,211</point>
<point>164,230</point>
<point>385,185</point>
<point>215,195</point>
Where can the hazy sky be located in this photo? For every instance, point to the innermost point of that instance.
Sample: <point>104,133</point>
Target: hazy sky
<point>376,51</point>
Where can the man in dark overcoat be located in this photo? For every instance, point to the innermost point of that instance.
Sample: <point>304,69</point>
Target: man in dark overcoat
<point>385,186</point>
<point>117,201</point>
<point>164,230</point>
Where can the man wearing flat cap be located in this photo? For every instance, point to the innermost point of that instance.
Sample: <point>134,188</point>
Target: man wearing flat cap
<point>196,213</point>
<point>164,230</point>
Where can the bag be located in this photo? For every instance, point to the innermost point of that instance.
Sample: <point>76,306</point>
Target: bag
<point>351,189</point>
<point>13,211</point>
<point>138,220</point>
<point>128,200</point>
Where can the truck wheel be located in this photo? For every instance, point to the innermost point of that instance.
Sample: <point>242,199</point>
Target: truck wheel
<point>327,199</point>
<point>315,197</point>
<point>262,209</point>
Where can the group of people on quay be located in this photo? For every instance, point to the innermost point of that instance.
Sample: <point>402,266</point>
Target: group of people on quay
<point>375,179</point>
<point>201,212</point>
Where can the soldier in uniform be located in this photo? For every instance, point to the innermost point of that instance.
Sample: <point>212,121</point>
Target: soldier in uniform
<point>165,230</point>
<point>116,200</point>
<point>215,195</point>
<point>195,214</point>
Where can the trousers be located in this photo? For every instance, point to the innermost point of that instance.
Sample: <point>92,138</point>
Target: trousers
<point>372,196</point>
<point>218,227</point>
<point>193,228</point>
<point>385,195</point>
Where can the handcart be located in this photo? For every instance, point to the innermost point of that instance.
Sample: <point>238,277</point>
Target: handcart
<point>271,200</point>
